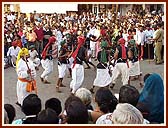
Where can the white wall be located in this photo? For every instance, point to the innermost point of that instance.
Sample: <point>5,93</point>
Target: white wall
<point>49,7</point>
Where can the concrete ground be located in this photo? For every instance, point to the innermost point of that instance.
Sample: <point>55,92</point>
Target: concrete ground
<point>46,91</point>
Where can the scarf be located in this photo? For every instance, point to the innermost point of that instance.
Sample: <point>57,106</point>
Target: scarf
<point>50,41</point>
<point>152,96</point>
<point>132,43</point>
<point>122,44</point>
<point>81,41</point>
<point>103,57</point>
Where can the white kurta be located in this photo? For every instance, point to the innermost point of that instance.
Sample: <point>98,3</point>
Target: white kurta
<point>77,77</point>
<point>103,78</point>
<point>22,73</point>
<point>48,68</point>
<point>33,57</point>
<point>134,68</point>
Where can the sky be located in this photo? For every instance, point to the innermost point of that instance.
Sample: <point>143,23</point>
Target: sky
<point>49,7</point>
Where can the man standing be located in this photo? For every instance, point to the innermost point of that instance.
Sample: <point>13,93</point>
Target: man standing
<point>121,66</point>
<point>141,39</point>
<point>26,74</point>
<point>31,36</point>
<point>158,43</point>
<point>40,35</point>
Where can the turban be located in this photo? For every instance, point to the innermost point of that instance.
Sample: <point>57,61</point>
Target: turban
<point>122,42</point>
<point>22,52</point>
<point>14,43</point>
<point>62,42</point>
<point>31,46</point>
<point>51,40</point>
<point>133,45</point>
<point>68,35</point>
<point>81,40</point>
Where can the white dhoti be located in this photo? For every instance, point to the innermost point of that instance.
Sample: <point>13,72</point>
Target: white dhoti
<point>102,78</point>
<point>120,68</point>
<point>77,77</point>
<point>62,70</point>
<point>134,68</point>
<point>48,68</point>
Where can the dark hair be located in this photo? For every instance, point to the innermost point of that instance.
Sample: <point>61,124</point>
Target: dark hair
<point>159,25</point>
<point>47,116</point>
<point>31,105</point>
<point>146,76</point>
<point>77,113</point>
<point>129,30</point>
<point>54,104</point>
<point>106,100</point>
<point>10,111</point>
<point>70,99</point>
<point>129,94</point>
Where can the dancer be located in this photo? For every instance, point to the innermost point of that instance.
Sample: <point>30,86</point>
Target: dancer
<point>47,60</point>
<point>79,55</point>
<point>62,64</point>
<point>121,66</point>
<point>103,78</point>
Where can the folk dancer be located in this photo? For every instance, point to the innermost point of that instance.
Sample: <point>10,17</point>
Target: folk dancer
<point>134,66</point>
<point>103,77</point>
<point>47,61</point>
<point>62,64</point>
<point>79,55</point>
<point>121,66</point>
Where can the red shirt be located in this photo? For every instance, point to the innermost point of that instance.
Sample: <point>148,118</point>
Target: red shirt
<point>39,33</point>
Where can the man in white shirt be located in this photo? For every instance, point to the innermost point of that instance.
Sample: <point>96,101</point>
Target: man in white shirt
<point>33,57</point>
<point>149,44</point>
<point>13,52</point>
<point>141,39</point>
<point>92,42</point>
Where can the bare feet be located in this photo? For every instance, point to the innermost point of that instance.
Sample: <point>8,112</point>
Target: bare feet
<point>46,82</point>
<point>57,89</point>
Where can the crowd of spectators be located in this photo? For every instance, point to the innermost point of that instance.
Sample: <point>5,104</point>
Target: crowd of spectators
<point>132,107</point>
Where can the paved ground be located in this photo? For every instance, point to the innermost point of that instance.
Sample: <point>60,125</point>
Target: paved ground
<point>47,91</point>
